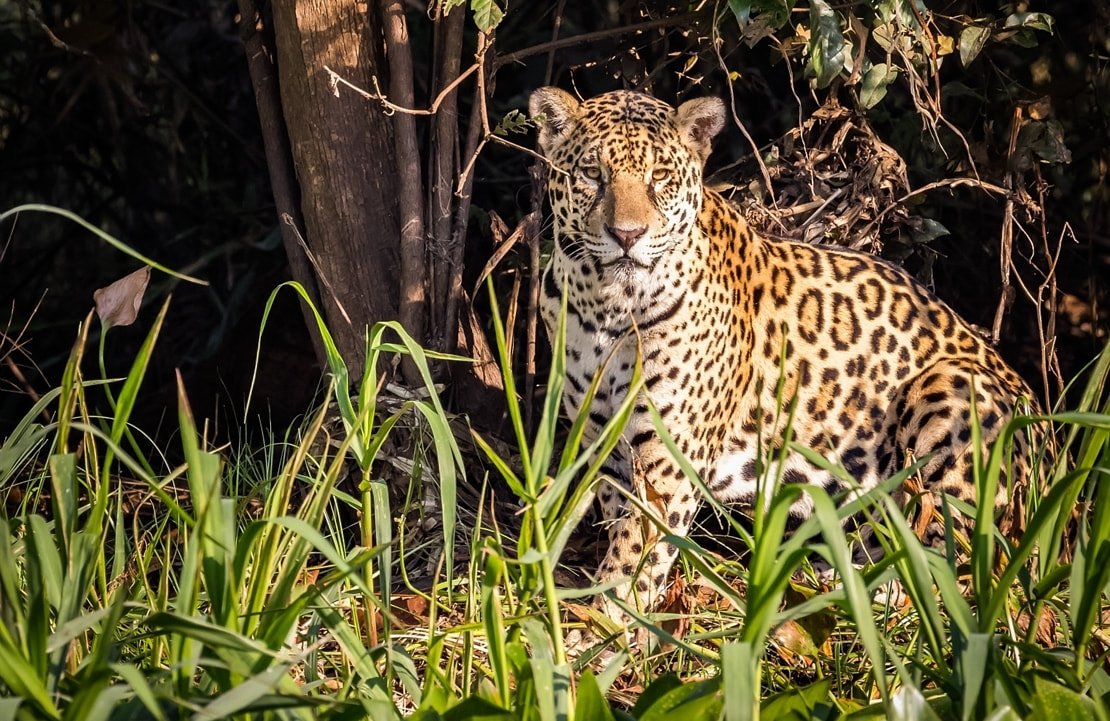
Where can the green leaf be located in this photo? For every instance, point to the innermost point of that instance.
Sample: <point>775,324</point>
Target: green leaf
<point>972,40</point>
<point>22,678</point>
<point>655,691</point>
<point>875,82</point>
<point>805,703</point>
<point>1035,21</point>
<point>774,13</point>
<point>543,673</point>
<point>494,621</point>
<point>742,9</point>
<point>827,50</point>
<point>117,244</point>
<point>477,708</point>
<point>514,122</point>
<point>740,680</point>
<point>971,665</point>
<point>701,700</point>
<point>487,15</point>
<point>591,705</point>
<point>1053,701</point>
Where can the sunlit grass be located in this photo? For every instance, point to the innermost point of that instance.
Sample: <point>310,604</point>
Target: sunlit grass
<point>303,574</point>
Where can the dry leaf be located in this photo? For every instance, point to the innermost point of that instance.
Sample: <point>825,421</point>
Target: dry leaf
<point>118,304</point>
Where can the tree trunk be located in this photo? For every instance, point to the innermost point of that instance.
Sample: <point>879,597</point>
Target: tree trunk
<point>342,151</point>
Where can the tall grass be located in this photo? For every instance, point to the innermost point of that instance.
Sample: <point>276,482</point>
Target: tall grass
<point>229,586</point>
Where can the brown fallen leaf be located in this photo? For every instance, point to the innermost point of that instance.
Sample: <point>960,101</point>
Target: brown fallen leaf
<point>118,303</point>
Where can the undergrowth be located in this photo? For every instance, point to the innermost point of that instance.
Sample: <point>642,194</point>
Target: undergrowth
<point>293,577</point>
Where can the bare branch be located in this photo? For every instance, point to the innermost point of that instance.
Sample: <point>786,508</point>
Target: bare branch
<point>684,19</point>
<point>391,107</point>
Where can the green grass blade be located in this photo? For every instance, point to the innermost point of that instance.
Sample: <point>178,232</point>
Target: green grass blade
<point>23,678</point>
<point>494,623</point>
<point>107,238</point>
<point>740,681</point>
<point>121,413</point>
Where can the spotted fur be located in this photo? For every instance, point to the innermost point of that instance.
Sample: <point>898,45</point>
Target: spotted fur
<point>730,328</point>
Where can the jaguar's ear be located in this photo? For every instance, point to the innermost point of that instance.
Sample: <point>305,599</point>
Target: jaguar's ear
<point>559,109</point>
<point>699,121</point>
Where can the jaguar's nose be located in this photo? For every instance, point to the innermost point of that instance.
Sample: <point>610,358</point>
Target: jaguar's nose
<point>627,237</point>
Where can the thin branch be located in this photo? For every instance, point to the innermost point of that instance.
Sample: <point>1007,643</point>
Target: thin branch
<point>513,57</point>
<point>556,25</point>
<point>390,107</point>
<point>54,39</point>
<point>1006,244</point>
<point>466,180</point>
<point>258,45</point>
<point>537,176</point>
<point>738,123</point>
<point>287,220</point>
<point>946,183</point>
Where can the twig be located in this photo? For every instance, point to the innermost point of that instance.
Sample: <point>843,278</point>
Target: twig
<point>736,120</point>
<point>483,116</point>
<point>337,80</point>
<point>537,176</point>
<point>462,192</point>
<point>817,213</point>
<point>1005,250</point>
<point>54,39</point>
<point>946,183</point>
<point>287,220</point>
<point>556,25</point>
<point>567,42</point>
<point>279,157</point>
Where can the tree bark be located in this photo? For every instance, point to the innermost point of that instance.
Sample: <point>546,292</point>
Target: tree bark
<point>343,155</point>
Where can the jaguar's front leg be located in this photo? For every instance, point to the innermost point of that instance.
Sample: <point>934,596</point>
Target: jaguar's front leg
<point>665,501</point>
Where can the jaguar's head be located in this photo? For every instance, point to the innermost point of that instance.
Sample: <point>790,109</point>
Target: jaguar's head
<point>625,181</point>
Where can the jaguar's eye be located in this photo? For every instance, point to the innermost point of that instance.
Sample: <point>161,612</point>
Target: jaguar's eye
<point>592,172</point>
<point>660,174</point>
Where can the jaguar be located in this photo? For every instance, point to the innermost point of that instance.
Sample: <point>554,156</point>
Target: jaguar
<point>738,338</point>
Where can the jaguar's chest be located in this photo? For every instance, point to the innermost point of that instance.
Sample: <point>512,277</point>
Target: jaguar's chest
<point>658,324</point>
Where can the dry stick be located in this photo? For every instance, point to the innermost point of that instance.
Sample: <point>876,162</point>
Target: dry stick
<point>411,198</point>
<point>512,57</point>
<point>1047,337</point>
<point>483,117</point>
<point>743,129</point>
<point>443,164</point>
<point>946,183</point>
<point>531,226</point>
<point>279,158</point>
<point>467,177</point>
<point>510,317</point>
<point>466,182</point>
<point>289,225</point>
<point>336,80</point>
<point>536,174</point>
<point>1005,251</point>
<point>934,112</point>
<point>556,25</point>
<point>1050,361</point>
